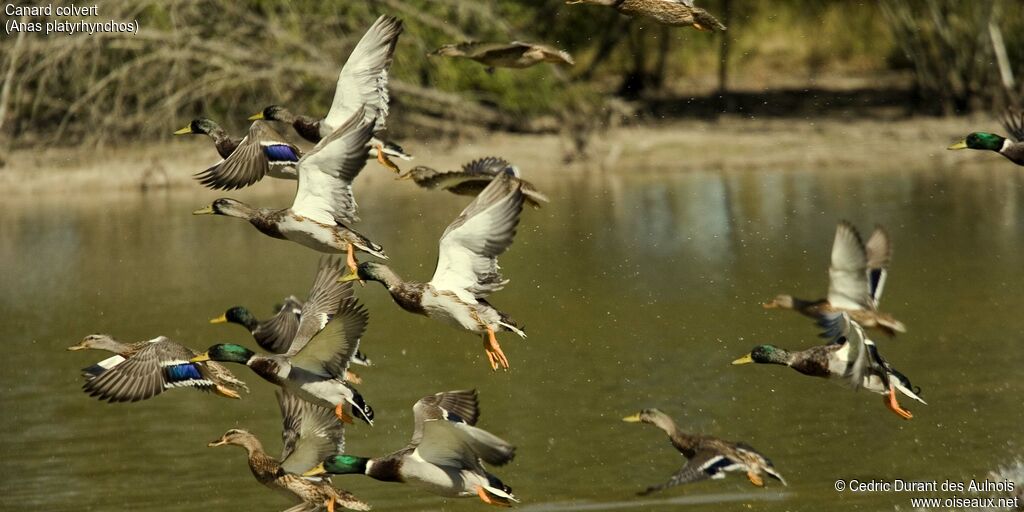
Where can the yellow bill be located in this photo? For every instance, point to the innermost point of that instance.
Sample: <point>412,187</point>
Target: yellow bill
<point>635,418</point>
<point>318,470</point>
<point>220,319</point>
<point>184,131</point>
<point>256,117</point>
<point>959,145</point>
<point>205,356</point>
<point>206,210</point>
<point>744,360</point>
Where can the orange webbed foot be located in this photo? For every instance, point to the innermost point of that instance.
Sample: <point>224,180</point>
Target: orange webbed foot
<point>494,353</point>
<point>894,406</point>
<point>339,411</point>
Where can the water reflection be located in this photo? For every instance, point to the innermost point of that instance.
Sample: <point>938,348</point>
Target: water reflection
<point>636,288</point>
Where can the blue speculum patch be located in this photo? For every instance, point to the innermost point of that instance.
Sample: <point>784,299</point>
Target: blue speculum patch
<point>182,372</point>
<point>280,153</point>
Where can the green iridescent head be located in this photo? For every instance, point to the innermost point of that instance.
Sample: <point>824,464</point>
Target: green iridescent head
<point>340,465</point>
<point>981,140</point>
<point>226,353</point>
<point>765,354</point>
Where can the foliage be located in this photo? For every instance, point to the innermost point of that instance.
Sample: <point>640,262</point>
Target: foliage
<point>226,60</point>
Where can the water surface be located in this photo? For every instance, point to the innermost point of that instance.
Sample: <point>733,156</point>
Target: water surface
<point>636,289</point>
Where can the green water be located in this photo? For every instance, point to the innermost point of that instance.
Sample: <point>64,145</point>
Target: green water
<point>636,290</point>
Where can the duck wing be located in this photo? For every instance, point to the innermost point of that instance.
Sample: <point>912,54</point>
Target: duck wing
<point>468,251</point>
<point>326,173</point>
<point>276,333</point>
<point>364,77</point>
<point>251,160</point>
<point>703,465</point>
<point>330,351</point>
<point>461,406</point>
<point>879,253</point>
<point>325,297</point>
<point>447,443</point>
<point>1013,121</point>
<point>854,350</point>
<point>310,433</point>
<point>160,365</point>
<point>848,286</point>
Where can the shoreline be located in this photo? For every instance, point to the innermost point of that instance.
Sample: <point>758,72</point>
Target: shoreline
<point>730,143</point>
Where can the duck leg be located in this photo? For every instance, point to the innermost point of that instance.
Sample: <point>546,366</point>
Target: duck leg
<point>330,504</point>
<point>486,498</point>
<point>339,411</point>
<point>385,161</point>
<point>494,353</point>
<point>350,259</point>
<point>894,406</point>
<point>755,478</point>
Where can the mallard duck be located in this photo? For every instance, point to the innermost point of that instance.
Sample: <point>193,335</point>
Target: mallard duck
<point>1011,147</point>
<point>145,369</point>
<point>467,268</point>
<point>363,80</point>
<point>263,152</point>
<point>678,13</point>
<point>277,333</point>
<point>444,457</point>
<point>849,357</point>
<point>473,178</point>
<point>856,279</point>
<point>309,434</point>
<point>323,203</point>
<point>707,457</point>
<point>315,365</point>
<point>516,54</point>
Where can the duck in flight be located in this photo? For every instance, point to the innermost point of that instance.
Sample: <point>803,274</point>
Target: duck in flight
<point>262,152</point>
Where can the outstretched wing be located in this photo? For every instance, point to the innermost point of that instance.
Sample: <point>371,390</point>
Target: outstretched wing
<point>879,253</point>
<point>326,173</point>
<point>260,150</point>
<point>325,298</point>
<point>704,464</point>
<point>461,406</point>
<point>489,166</point>
<point>449,443</point>
<point>848,286</point>
<point>364,77</point>
<point>329,352</point>
<point>310,433</point>
<point>468,252</point>
<point>161,365</point>
<point>1013,121</point>
<point>275,334</point>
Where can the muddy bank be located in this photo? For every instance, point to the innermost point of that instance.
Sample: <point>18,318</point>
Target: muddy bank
<point>729,143</point>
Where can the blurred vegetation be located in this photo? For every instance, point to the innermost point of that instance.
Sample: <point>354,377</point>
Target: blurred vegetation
<point>226,60</point>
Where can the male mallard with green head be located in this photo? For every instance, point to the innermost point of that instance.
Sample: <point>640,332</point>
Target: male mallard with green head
<point>707,457</point>
<point>309,434</point>
<point>263,152</point>
<point>1011,147</point>
<point>147,368</point>
<point>677,13</point>
<point>516,54</point>
<point>467,269</point>
<point>315,366</point>
<point>277,333</point>
<point>444,457</point>
<point>472,178</point>
<point>363,80</point>
<point>850,357</point>
<point>857,277</point>
<point>323,204</point>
